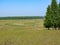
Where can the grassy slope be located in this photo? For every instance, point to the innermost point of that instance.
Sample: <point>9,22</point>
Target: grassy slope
<point>27,32</point>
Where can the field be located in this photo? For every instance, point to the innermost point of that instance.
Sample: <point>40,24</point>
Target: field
<point>27,32</point>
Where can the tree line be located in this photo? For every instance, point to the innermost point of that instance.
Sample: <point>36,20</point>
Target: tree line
<point>52,18</point>
<point>21,17</point>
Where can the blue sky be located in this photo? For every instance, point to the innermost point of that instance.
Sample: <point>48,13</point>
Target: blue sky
<point>23,7</point>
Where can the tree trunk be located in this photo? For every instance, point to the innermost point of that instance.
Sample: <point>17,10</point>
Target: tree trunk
<point>48,28</point>
<point>55,28</point>
<point>58,28</point>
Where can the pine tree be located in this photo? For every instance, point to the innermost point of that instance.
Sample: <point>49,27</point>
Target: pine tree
<point>47,22</point>
<point>59,16</point>
<point>54,8</point>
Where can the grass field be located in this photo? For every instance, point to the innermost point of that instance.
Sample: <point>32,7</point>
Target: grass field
<point>27,32</point>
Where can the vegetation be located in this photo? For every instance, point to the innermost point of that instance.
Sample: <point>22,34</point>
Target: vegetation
<point>22,17</point>
<point>52,18</point>
<point>27,32</point>
<point>59,16</point>
<point>30,30</point>
<point>48,22</point>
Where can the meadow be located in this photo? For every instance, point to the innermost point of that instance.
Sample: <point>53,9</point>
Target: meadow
<point>27,32</point>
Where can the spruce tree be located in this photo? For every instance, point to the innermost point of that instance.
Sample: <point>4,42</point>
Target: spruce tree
<point>54,13</point>
<point>58,16</point>
<point>48,22</point>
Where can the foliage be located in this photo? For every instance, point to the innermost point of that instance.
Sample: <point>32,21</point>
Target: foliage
<point>59,15</point>
<point>53,15</point>
<point>54,8</point>
<point>22,17</point>
<point>48,22</point>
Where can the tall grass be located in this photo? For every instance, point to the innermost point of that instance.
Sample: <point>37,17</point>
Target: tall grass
<point>30,32</point>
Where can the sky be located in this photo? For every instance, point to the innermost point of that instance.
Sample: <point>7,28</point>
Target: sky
<point>23,7</point>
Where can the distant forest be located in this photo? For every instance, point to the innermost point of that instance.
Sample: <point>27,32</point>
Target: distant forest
<point>21,17</point>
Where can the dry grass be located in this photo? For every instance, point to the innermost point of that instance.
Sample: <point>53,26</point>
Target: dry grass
<point>27,32</point>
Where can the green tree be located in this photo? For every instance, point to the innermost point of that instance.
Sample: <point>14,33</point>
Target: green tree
<point>59,16</point>
<point>54,8</point>
<point>47,21</point>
